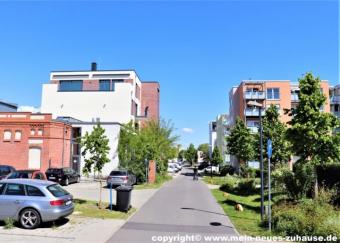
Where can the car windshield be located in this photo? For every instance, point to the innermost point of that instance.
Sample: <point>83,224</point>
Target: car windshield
<point>57,190</point>
<point>21,175</point>
<point>118,173</point>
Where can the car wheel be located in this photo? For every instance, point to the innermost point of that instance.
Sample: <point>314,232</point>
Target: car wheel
<point>78,179</point>
<point>66,182</point>
<point>30,218</point>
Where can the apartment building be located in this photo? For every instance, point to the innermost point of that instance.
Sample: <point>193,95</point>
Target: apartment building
<point>282,93</point>
<point>335,100</point>
<point>34,141</point>
<point>212,136</point>
<point>108,97</point>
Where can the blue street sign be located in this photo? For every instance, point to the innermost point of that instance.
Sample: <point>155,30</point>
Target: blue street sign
<point>269,148</point>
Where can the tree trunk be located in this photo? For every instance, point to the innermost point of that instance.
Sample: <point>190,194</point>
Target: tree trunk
<point>100,191</point>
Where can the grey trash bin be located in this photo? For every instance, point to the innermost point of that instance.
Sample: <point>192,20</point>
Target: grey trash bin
<point>123,198</point>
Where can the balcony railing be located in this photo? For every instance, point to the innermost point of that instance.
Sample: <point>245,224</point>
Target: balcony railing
<point>256,95</point>
<point>253,112</point>
<point>294,97</point>
<point>335,99</point>
<point>253,129</point>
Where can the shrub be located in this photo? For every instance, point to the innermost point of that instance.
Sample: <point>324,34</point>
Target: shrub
<point>309,217</point>
<point>9,223</point>
<point>246,186</point>
<point>328,176</point>
<point>227,170</point>
<point>229,184</point>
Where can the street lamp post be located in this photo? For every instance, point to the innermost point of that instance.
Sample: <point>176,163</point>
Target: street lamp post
<point>259,106</point>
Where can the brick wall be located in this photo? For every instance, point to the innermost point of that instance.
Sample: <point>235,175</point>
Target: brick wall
<point>90,85</point>
<point>150,98</point>
<point>48,136</point>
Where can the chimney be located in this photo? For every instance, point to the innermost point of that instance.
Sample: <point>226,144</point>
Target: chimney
<point>93,66</point>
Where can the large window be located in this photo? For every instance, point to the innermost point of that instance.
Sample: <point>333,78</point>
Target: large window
<point>71,85</point>
<point>273,94</point>
<point>104,85</point>
<point>7,135</point>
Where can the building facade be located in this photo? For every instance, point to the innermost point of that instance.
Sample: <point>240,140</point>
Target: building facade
<point>108,97</point>
<point>34,141</point>
<point>281,93</point>
<point>212,137</point>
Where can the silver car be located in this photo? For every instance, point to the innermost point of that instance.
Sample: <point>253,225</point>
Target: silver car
<point>32,202</point>
<point>121,177</point>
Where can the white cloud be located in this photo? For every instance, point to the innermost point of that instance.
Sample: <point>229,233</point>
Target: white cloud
<point>27,108</point>
<point>188,130</point>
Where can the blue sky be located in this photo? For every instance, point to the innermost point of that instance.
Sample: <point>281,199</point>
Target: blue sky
<point>197,50</point>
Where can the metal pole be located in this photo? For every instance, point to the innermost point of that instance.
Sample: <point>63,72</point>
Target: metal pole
<point>110,195</point>
<point>261,165</point>
<point>269,198</point>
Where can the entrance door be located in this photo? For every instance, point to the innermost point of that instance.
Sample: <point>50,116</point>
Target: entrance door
<point>34,158</point>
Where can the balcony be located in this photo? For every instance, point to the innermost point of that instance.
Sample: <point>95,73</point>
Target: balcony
<point>253,129</point>
<point>294,97</point>
<point>253,112</point>
<point>255,95</point>
<point>335,99</point>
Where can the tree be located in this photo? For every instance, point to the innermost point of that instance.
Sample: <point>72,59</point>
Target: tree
<point>311,129</point>
<point>204,148</point>
<point>275,130</point>
<point>191,154</point>
<point>95,149</point>
<point>154,141</point>
<point>240,142</point>
<point>181,154</point>
<point>216,157</point>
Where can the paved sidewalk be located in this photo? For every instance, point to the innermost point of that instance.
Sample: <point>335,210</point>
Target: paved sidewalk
<point>182,207</point>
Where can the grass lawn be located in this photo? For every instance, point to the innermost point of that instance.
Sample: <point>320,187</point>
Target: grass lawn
<point>157,184</point>
<point>87,208</point>
<point>215,180</point>
<point>246,222</point>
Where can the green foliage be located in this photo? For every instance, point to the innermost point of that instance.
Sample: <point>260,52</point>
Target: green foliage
<point>216,157</point>
<point>9,223</point>
<point>275,130</point>
<point>181,154</point>
<point>95,149</point>
<point>154,141</point>
<point>241,142</point>
<point>309,217</point>
<point>227,170</point>
<point>311,129</point>
<point>204,148</point>
<point>191,154</point>
<point>239,186</point>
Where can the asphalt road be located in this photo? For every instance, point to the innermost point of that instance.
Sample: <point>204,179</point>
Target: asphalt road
<point>183,210</point>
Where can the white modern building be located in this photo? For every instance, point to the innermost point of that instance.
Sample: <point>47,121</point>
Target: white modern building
<point>108,97</point>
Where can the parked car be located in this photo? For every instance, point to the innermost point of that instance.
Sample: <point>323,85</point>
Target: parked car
<point>31,202</point>
<point>5,170</point>
<point>171,168</point>
<point>63,176</point>
<point>121,177</point>
<point>27,174</point>
<point>174,165</point>
<point>213,169</point>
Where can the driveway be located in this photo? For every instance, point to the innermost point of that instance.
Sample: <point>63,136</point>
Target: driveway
<point>182,208</point>
<point>90,191</point>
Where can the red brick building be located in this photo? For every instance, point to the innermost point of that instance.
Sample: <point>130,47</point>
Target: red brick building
<point>34,141</point>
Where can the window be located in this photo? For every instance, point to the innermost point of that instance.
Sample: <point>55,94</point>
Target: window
<point>114,81</point>
<point>34,192</point>
<point>57,190</point>
<point>17,135</point>
<point>40,132</point>
<point>104,85</point>
<point>273,94</point>
<point>2,186</point>
<point>32,132</point>
<point>15,190</point>
<point>7,135</point>
<point>71,85</point>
